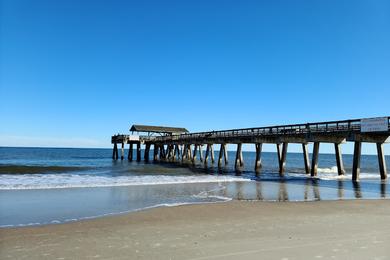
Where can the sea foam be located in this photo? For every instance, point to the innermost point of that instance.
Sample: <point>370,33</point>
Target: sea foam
<point>55,181</point>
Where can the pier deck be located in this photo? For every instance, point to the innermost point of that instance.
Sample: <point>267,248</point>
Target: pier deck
<point>184,146</point>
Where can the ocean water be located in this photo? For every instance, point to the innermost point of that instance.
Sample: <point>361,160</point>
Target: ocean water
<point>52,185</point>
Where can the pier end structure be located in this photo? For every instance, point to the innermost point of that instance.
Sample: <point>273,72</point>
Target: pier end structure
<point>170,143</point>
<point>143,134</point>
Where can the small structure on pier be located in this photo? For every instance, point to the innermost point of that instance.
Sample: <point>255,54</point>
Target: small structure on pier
<point>171,143</point>
<point>159,130</point>
<point>144,134</point>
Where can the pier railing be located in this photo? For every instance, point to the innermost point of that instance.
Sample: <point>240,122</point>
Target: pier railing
<point>295,129</point>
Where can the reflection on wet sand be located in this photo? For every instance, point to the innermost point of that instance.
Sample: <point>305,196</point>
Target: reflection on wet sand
<point>383,189</point>
<point>305,190</point>
<point>357,190</point>
<point>283,195</point>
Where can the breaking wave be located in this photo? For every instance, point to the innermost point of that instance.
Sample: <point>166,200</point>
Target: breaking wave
<point>55,181</point>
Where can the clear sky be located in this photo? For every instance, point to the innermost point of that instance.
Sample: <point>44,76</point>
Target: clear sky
<point>72,73</point>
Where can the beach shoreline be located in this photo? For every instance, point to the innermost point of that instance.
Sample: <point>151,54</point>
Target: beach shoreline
<point>357,229</point>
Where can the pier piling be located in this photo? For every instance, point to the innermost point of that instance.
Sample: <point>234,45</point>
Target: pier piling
<point>339,159</point>
<point>115,152</point>
<point>258,156</point>
<point>314,163</point>
<point>356,160</point>
<point>138,152</point>
<point>381,161</point>
<point>130,152</point>
<point>220,156</point>
<point>212,153</point>
<point>123,151</point>
<point>239,158</point>
<point>306,158</point>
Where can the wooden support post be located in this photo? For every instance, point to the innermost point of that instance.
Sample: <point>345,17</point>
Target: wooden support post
<point>279,152</point>
<point>146,153</point>
<point>115,152</point>
<point>241,158</point>
<point>238,163</point>
<point>206,157</point>
<point>171,152</point>
<point>259,147</point>
<point>161,150</point>
<point>184,153</point>
<point>180,147</point>
<point>356,160</point>
<point>177,152</point>
<point>282,163</point>
<point>189,152</point>
<point>220,156</point>
<point>225,154</point>
<point>130,153</point>
<point>314,162</point>
<point>381,161</point>
<point>194,155</point>
<point>200,153</point>
<point>167,152</point>
<point>212,153</point>
<point>123,151</point>
<point>138,152</point>
<point>306,158</point>
<point>155,152</point>
<point>339,159</point>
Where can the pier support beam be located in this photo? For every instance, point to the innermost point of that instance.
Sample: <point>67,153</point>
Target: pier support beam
<point>189,153</point>
<point>282,162</point>
<point>138,152</point>
<point>306,158</point>
<point>259,147</point>
<point>194,155</point>
<point>163,152</point>
<point>314,162</point>
<point>123,151</point>
<point>212,153</point>
<point>356,160</point>
<point>176,152</point>
<point>206,157</point>
<point>130,153</point>
<point>381,161</point>
<point>200,153</point>
<point>184,153</point>
<point>155,152</point>
<point>146,153</point>
<point>225,151</point>
<point>115,152</point>
<point>239,158</point>
<point>339,159</point>
<point>279,151</point>
<point>171,152</point>
<point>220,155</point>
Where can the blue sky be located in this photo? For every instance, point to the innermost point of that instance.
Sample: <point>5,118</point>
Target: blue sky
<point>72,73</point>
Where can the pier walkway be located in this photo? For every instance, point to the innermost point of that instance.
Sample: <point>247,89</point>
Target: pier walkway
<point>177,144</point>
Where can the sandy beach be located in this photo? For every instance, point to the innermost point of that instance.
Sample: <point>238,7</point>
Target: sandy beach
<point>357,229</point>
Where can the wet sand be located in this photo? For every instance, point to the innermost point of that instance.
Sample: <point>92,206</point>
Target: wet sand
<point>357,229</point>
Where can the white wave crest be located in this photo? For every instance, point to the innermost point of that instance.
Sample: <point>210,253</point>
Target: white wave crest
<point>55,181</point>
<point>332,169</point>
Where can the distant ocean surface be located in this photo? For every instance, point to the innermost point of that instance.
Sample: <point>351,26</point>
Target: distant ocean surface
<point>54,185</point>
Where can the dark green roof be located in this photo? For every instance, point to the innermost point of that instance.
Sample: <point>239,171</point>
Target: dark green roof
<point>158,129</point>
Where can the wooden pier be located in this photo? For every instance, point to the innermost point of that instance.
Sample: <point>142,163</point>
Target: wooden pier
<point>172,144</point>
